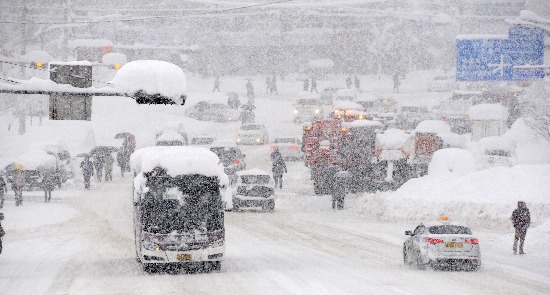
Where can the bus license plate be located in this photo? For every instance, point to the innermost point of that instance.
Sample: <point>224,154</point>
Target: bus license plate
<point>184,257</point>
<point>453,245</point>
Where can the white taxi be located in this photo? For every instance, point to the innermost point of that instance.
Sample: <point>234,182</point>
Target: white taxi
<point>442,244</point>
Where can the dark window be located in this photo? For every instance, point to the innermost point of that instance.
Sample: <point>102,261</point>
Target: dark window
<point>255,179</point>
<point>450,229</point>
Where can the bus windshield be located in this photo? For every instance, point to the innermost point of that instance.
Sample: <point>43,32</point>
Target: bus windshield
<point>182,204</point>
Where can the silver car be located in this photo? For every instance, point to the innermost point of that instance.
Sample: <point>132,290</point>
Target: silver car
<point>290,147</point>
<point>442,244</point>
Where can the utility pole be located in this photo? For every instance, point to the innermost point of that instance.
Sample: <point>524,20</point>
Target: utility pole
<point>67,17</point>
<point>24,37</point>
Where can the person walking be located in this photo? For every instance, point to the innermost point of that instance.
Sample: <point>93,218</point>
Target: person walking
<point>87,171</point>
<point>249,92</point>
<point>98,164</point>
<point>18,183</point>
<point>357,83</point>
<point>2,232</point>
<point>348,82</point>
<point>268,89</point>
<point>396,83</point>
<point>521,218</point>
<point>48,185</point>
<point>306,84</point>
<point>3,189</point>
<point>108,165</point>
<point>314,85</point>
<point>278,168</point>
<point>216,84</point>
<point>274,84</point>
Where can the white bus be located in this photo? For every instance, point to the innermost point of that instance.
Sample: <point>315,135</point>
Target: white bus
<point>178,211</point>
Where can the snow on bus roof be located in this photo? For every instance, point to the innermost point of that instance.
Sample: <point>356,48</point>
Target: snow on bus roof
<point>433,126</point>
<point>362,123</point>
<point>344,104</point>
<point>488,111</point>
<point>177,160</point>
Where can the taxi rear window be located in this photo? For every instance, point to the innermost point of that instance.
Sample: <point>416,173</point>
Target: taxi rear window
<point>449,229</point>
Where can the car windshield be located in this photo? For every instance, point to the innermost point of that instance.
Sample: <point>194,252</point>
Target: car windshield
<point>169,143</point>
<point>251,127</point>
<point>255,179</point>
<point>182,204</point>
<point>227,155</point>
<point>449,230</point>
<point>412,109</point>
<point>307,101</point>
<point>204,140</point>
<point>285,140</point>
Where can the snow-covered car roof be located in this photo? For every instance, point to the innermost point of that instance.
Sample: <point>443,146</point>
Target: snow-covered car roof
<point>177,160</point>
<point>34,158</point>
<point>362,123</point>
<point>433,126</point>
<point>488,111</point>
<point>254,171</point>
<point>344,104</point>
<point>392,139</point>
<point>492,143</point>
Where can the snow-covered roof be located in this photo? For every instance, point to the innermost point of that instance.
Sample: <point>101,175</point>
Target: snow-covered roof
<point>362,123</point>
<point>177,160</point>
<point>34,158</point>
<point>90,43</point>
<point>433,126</point>
<point>170,135</point>
<point>152,77</point>
<point>488,111</point>
<point>452,161</point>
<point>321,63</point>
<point>392,139</point>
<point>493,143</point>
<point>344,104</point>
<point>254,171</point>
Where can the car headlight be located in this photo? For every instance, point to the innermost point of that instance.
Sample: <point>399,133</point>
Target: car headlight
<point>150,245</point>
<point>238,139</point>
<point>258,139</point>
<point>317,111</point>
<point>295,111</point>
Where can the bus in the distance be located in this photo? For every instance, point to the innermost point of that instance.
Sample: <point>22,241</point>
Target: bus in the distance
<point>178,211</point>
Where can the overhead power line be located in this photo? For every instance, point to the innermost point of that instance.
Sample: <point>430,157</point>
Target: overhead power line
<point>211,12</point>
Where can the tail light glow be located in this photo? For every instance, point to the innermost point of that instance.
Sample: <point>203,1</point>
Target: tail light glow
<point>472,241</point>
<point>236,162</point>
<point>293,147</point>
<point>434,241</point>
<point>272,147</point>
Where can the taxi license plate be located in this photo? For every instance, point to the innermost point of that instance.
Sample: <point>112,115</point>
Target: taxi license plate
<point>184,257</point>
<point>453,245</point>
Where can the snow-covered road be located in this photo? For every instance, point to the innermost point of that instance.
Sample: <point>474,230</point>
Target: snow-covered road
<point>302,248</point>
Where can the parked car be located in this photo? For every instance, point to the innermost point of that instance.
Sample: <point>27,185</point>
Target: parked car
<point>442,83</point>
<point>409,116</point>
<point>290,147</point>
<point>171,137</point>
<point>230,156</point>
<point>255,188</point>
<point>308,109</point>
<point>252,134</point>
<point>209,111</point>
<point>442,244</point>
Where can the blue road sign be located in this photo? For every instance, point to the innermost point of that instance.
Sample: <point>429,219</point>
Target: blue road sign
<point>501,58</point>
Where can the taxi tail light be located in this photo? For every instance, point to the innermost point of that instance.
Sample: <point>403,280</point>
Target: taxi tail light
<point>272,147</point>
<point>236,162</point>
<point>293,147</point>
<point>434,241</point>
<point>473,241</point>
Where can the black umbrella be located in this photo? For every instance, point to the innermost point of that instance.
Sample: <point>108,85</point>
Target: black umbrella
<point>103,150</point>
<point>83,155</point>
<point>123,135</point>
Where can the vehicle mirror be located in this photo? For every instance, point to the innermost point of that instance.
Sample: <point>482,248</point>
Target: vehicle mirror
<point>408,233</point>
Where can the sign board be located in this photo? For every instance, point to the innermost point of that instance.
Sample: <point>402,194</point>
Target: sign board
<point>501,58</point>
<point>66,106</point>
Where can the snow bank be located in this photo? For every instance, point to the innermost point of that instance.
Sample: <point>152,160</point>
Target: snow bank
<point>456,162</point>
<point>35,215</point>
<point>494,143</point>
<point>348,105</point>
<point>37,56</point>
<point>321,63</point>
<point>152,77</point>
<point>35,158</point>
<point>484,198</point>
<point>488,111</point>
<point>530,149</point>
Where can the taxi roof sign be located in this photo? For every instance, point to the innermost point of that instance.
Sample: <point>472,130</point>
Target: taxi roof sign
<point>444,218</point>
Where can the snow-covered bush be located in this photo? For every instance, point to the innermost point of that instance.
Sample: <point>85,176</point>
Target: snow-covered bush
<point>453,161</point>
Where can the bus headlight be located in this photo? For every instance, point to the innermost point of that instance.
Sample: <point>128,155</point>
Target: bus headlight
<point>317,111</point>
<point>295,111</point>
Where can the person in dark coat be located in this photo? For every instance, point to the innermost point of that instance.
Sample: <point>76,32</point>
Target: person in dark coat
<point>348,82</point>
<point>521,218</point>
<point>2,232</point>
<point>18,183</point>
<point>3,189</point>
<point>268,89</point>
<point>396,83</point>
<point>313,85</point>
<point>357,83</point>
<point>249,92</point>
<point>279,167</point>
<point>87,171</point>
<point>98,164</point>
<point>216,84</point>
<point>274,84</point>
<point>306,84</point>
<point>48,184</point>
<point>108,165</point>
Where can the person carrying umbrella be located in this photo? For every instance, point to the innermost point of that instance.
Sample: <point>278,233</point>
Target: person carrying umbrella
<point>18,183</point>
<point>3,189</point>
<point>108,161</point>
<point>87,171</point>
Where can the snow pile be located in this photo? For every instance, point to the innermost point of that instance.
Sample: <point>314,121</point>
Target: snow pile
<point>497,143</point>
<point>114,58</point>
<point>346,105</point>
<point>170,135</point>
<point>456,162</point>
<point>443,130</point>
<point>392,139</point>
<point>152,77</point>
<point>483,198</point>
<point>530,148</point>
<point>488,111</point>
<point>37,56</point>
<point>35,215</point>
<point>36,158</point>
